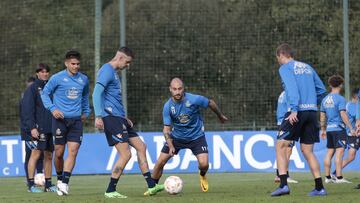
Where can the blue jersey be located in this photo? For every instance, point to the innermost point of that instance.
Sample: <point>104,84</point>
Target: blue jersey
<point>358,107</point>
<point>70,94</point>
<point>332,104</point>
<point>351,112</point>
<point>281,109</point>
<point>112,99</point>
<point>184,116</point>
<point>302,86</point>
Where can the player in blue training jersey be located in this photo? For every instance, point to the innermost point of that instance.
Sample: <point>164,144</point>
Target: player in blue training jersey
<point>37,121</point>
<point>110,116</point>
<point>358,124</point>
<point>353,142</point>
<point>184,128</point>
<point>69,106</point>
<point>281,110</point>
<point>333,120</point>
<point>303,90</point>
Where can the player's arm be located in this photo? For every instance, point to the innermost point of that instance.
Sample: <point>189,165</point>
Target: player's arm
<point>292,93</point>
<point>85,107</point>
<point>169,141</point>
<point>28,111</point>
<point>319,87</point>
<point>358,117</point>
<point>323,124</point>
<point>345,118</point>
<point>98,105</point>
<point>47,102</point>
<point>214,107</point>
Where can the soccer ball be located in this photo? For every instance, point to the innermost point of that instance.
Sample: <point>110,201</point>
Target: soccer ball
<point>173,185</point>
<point>39,179</point>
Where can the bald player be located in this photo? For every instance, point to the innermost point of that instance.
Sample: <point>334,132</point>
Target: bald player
<point>184,129</point>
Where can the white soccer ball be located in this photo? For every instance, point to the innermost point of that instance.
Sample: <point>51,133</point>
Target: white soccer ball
<point>39,179</point>
<point>173,185</point>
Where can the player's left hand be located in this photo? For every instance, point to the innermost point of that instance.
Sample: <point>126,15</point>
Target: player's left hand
<point>131,124</point>
<point>323,135</point>
<point>292,118</point>
<point>99,124</point>
<point>223,118</point>
<point>83,118</point>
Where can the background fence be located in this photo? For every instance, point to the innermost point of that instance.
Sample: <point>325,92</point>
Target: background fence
<point>223,49</point>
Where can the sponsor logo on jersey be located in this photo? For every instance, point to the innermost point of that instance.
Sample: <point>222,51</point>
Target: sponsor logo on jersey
<point>72,93</point>
<point>184,118</point>
<point>301,68</point>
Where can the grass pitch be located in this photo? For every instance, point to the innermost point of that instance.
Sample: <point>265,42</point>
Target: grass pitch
<point>224,187</point>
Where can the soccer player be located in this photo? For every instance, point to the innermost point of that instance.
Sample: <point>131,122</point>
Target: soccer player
<point>37,121</point>
<point>333,116</point>
<point>281,110</point>
<point>353,142</point>
<point>110,116</point>
<point>26,136</point>
<point>358,124</point>
<point>184,129</point>
<point>303,89</point>
<point>70,107</point>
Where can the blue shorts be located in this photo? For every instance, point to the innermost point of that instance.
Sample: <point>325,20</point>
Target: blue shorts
<point>336,139</point>
<point>306,129</point>
<point>117,129</point>
<point>67,130</point>
<point>44,143</point>
<point>353,142</point>
<point>197,146</point>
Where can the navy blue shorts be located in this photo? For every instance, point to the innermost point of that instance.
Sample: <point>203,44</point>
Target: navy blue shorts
<point>44,143</point>
<point>117,129</point>
<point>336,139</point>
<point>197,146</point>
<point>353,142</point>
<point>306,129</point>
<point>67,130</point>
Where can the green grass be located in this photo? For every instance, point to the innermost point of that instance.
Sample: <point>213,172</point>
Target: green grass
<point>224,187</point>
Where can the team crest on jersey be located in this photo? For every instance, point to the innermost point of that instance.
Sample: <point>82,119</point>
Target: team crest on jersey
<point>81,80</point>
<point>42,137</point>
<point>109,109</point>
<point>173,110</point>
<point>72,93</point>
<point>40,90</point>
<point>184,118</point>
<point>58,131</point>
<point>187,104</point>
<point>116,76</point>
<point>329,102</point>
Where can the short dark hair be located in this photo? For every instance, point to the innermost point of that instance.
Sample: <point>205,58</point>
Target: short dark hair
<point>285,50</point>
<point>72,54</point>
<point>127,51</point>
<point>30,79</point>
<point>355,92</point>
<point>335,81</point>
<point>42,66</point>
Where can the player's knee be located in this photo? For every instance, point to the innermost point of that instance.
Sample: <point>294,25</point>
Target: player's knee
<point>127,155</point>
<point>142,149</point>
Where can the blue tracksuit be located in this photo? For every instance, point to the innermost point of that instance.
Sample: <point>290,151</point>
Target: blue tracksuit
<point>303,87</point>
<point>70,94</point>
<point>33,112</point>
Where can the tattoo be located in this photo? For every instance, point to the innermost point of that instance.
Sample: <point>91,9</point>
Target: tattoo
<point>118,169</point>
<point>167,136</point>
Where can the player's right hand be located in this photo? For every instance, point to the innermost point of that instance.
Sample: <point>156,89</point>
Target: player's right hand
<point>292,118</point>
<point>58,114</point>
<point>223,118</point>
<point>99,124</point>
<point>171,150</point>
<point>35,133</point>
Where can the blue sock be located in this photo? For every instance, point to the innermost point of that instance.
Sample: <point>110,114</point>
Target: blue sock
<point>47,182</point>
<point>66,177</point>
<point>112,185</point>
<point>150,182</point>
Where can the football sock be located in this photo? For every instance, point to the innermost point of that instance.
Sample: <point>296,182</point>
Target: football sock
<point>66,177</point>
<point>283,180</point>
<point>328,177</point>
<point>318,184</point>
<point>150,182</point>
<point>287,173</point>
<point>31,182</point>
<point>59,175</point>
<point>47,182</point>
<point>112,185</point>
<point>277,173</point>
<point>203,172</point>
<point>156,180</point>
<point>339,177</point>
